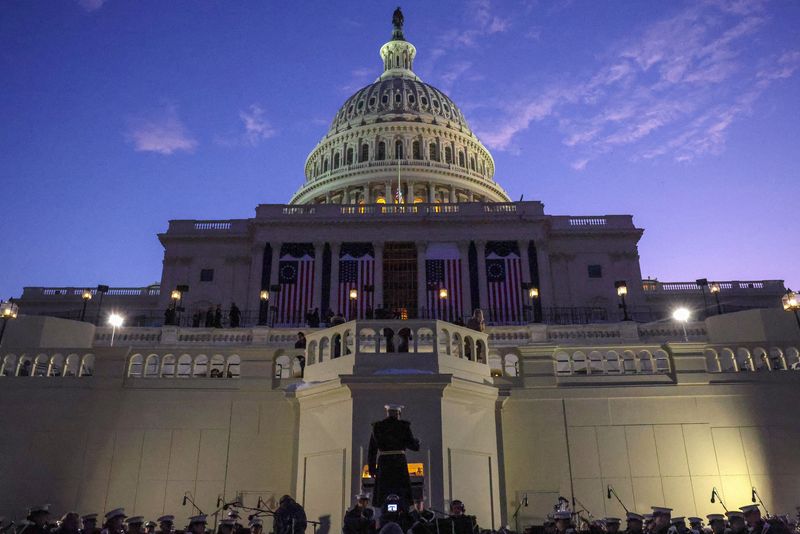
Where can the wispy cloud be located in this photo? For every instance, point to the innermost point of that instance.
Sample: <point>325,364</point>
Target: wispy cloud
<point>256,127</point>
<point>358,78</point>
<point>91,5</point>
<point>673,90</point>
<point>163,133</point>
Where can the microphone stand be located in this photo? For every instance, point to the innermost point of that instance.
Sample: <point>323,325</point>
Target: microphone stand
<point>614,493</point>
<point>713,494</point>
<point>524,501</point>
<point>755,494</point>
<point>189,497</point>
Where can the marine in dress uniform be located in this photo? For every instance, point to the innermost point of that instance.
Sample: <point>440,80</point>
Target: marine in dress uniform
<point>696,525</point>
<point>135,524</point>
<point>612,524</point>
<point>661,519</point>
<point>197,524</point>
<point>256,525</point>
<point>462,523</point>
<point>678,526</point>
<point>150,527</point>
<point>736,524</point>
<point>716,523</point>
<point>36,520</point>
<point>360,519</point>
<point>70,524</point>
<point>290,518</point>
<point>166,523</point>
<point>423,521</point>
<point>563,519</point>
<point>387,458</point>
<point>89,524</point>
<point>113,521</point>
<point>635,523</point>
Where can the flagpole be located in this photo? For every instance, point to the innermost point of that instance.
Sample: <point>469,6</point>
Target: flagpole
<point>399,189</point>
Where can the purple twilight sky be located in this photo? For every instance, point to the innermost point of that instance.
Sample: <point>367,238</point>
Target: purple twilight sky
<point>118,115</point>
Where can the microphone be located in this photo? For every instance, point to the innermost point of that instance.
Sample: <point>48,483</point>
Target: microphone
<point>184,499</point>
<point>219,500</point>
<point>525,500</point>
<point>608,491</point>
<point>753,494</point>
<point>714,495</point>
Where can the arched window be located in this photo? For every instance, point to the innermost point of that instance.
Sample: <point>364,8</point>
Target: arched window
<point>563,364</point>
<point>135,366</point>
<point>434,153</point>
<point>727,361</point>
<point>398,149</point>
<point>325,165</point>
<point>350,156</point>
<point>793,358</point>
<point>364,152</point>
<point>495,364</point>
<point>461,161</point>
<point>87,365</point>
<point>381,151</point>
<point>398,98</point>
<point>579,363</point>
<point>201,366</point>
<point>760,360</point>
<point>217,368</point>
<point>298,366</point>
<point>336,161</point>
<point>511,365</point>
<point>233,366</point>
<point>712,361</point>
<point>472,163</point>
<point>417,153</point>
<point>776,360</point>
<point>645,362</point>
<point>448,154</point>
<point>25,366</point>
<point>71,367</point>
<point>56,365</point>
<point>41,365</point>
<point>596,362</point>
<point>662,361</point>
<point>151,366</point>
<point>168,366</point>
<point>9,365</point>
<point>628,362</point>
<point>283,367</point>
<point>184,366</point>
<point>612,362</point>
<point>743,361</point>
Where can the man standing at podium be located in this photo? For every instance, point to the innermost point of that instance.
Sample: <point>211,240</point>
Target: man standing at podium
<point>387,457</point>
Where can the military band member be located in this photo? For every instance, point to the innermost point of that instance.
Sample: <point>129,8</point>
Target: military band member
<point>563,519</point>
<point>612,524</point>
<point>462,523</point>
<point>360,519</point>
<point>290,518</point>
<point>150,527</point>
<point>678,526</point>
<point>69,524</point>
<point>166,524</point>
<point>135,524</point>
<point>256,525</point>
<point>736,524</point>
<point>36,520</point>
<point>716,522</point>
<point>635,523</point>
<point>387,457</point>
<point>226,526</point>
<point>197,524</point>
<point>661,519</point>
<point>89,524</point>
<point>696,525</point>
<point>423,521</point>
<point>113,522</point>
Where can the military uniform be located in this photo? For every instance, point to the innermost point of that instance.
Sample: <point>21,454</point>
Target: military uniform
<point>422,521</point>
<point>290,518</point>
<point>387,459</point>
<point>358,520</point>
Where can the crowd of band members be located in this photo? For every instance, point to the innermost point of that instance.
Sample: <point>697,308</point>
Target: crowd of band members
<point>290,518</point>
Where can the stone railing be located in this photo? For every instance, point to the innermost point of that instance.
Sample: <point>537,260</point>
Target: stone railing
<point>727,287</point>
<point>393,164</point>
<point>589,223</point>
<point>748,358</point>
<point>621,360</point>
<point>280,212</point>
<point>61,363</point>
<point>75,293</point>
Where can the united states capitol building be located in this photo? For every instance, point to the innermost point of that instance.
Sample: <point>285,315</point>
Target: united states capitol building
<point>400,230</point>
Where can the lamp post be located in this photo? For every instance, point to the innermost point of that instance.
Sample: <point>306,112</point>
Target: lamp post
<point>443,297</point>
<point>682,316</point>
<point>115,320</point>
<point>263,307</point>
<point>622,290</point>
<point>8,310</point>
<point>102,289</point>
<point>532,293</point>
<point>175,295</point>
<point>370,302</point>
<point>353,294</point>
<point>791,303</point>
<point>715,288</point>
<point>86,296</point>
<point>702,283</point>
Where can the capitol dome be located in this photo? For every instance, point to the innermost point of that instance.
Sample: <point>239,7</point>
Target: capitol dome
<point>399,139</point>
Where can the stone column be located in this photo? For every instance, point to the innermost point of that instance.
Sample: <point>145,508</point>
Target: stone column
<point>274,297</point>
<point>388,192</point>
<point>367,195</point>
<point>431,193</point>
<point>452,194</point>
<point>411,195</point>
<point>466,290</point>
<point>422,249</point>
<point>546,291</point>
<point>483,287</point>
<point>319,251</point>
<point>334,296</point>
<point>378,275</point>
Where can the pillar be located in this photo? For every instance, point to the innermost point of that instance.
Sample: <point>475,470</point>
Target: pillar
<point>274,297</point>
<point>547,290</point>
<point>389,192</point>
<point>452,194</point>
<point>483,288</point>
<point>466,297</point>
<point>334,296</point>
<point>431,193</point>
<point>422,249</point>
<point>378,278</point>
<point>316,301</point>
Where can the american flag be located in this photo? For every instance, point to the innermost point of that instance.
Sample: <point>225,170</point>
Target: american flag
<point>355,273</point>
<point>296,278</point>
<point>443,274</point>
<point>504,277</point>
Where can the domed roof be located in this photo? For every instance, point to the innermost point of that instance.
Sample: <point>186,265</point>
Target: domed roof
<point>398,98</point>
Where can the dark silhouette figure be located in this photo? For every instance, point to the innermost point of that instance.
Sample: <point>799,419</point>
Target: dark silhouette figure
<point>218,317</point>
<point>209,317</point>
<point>234,316</point>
